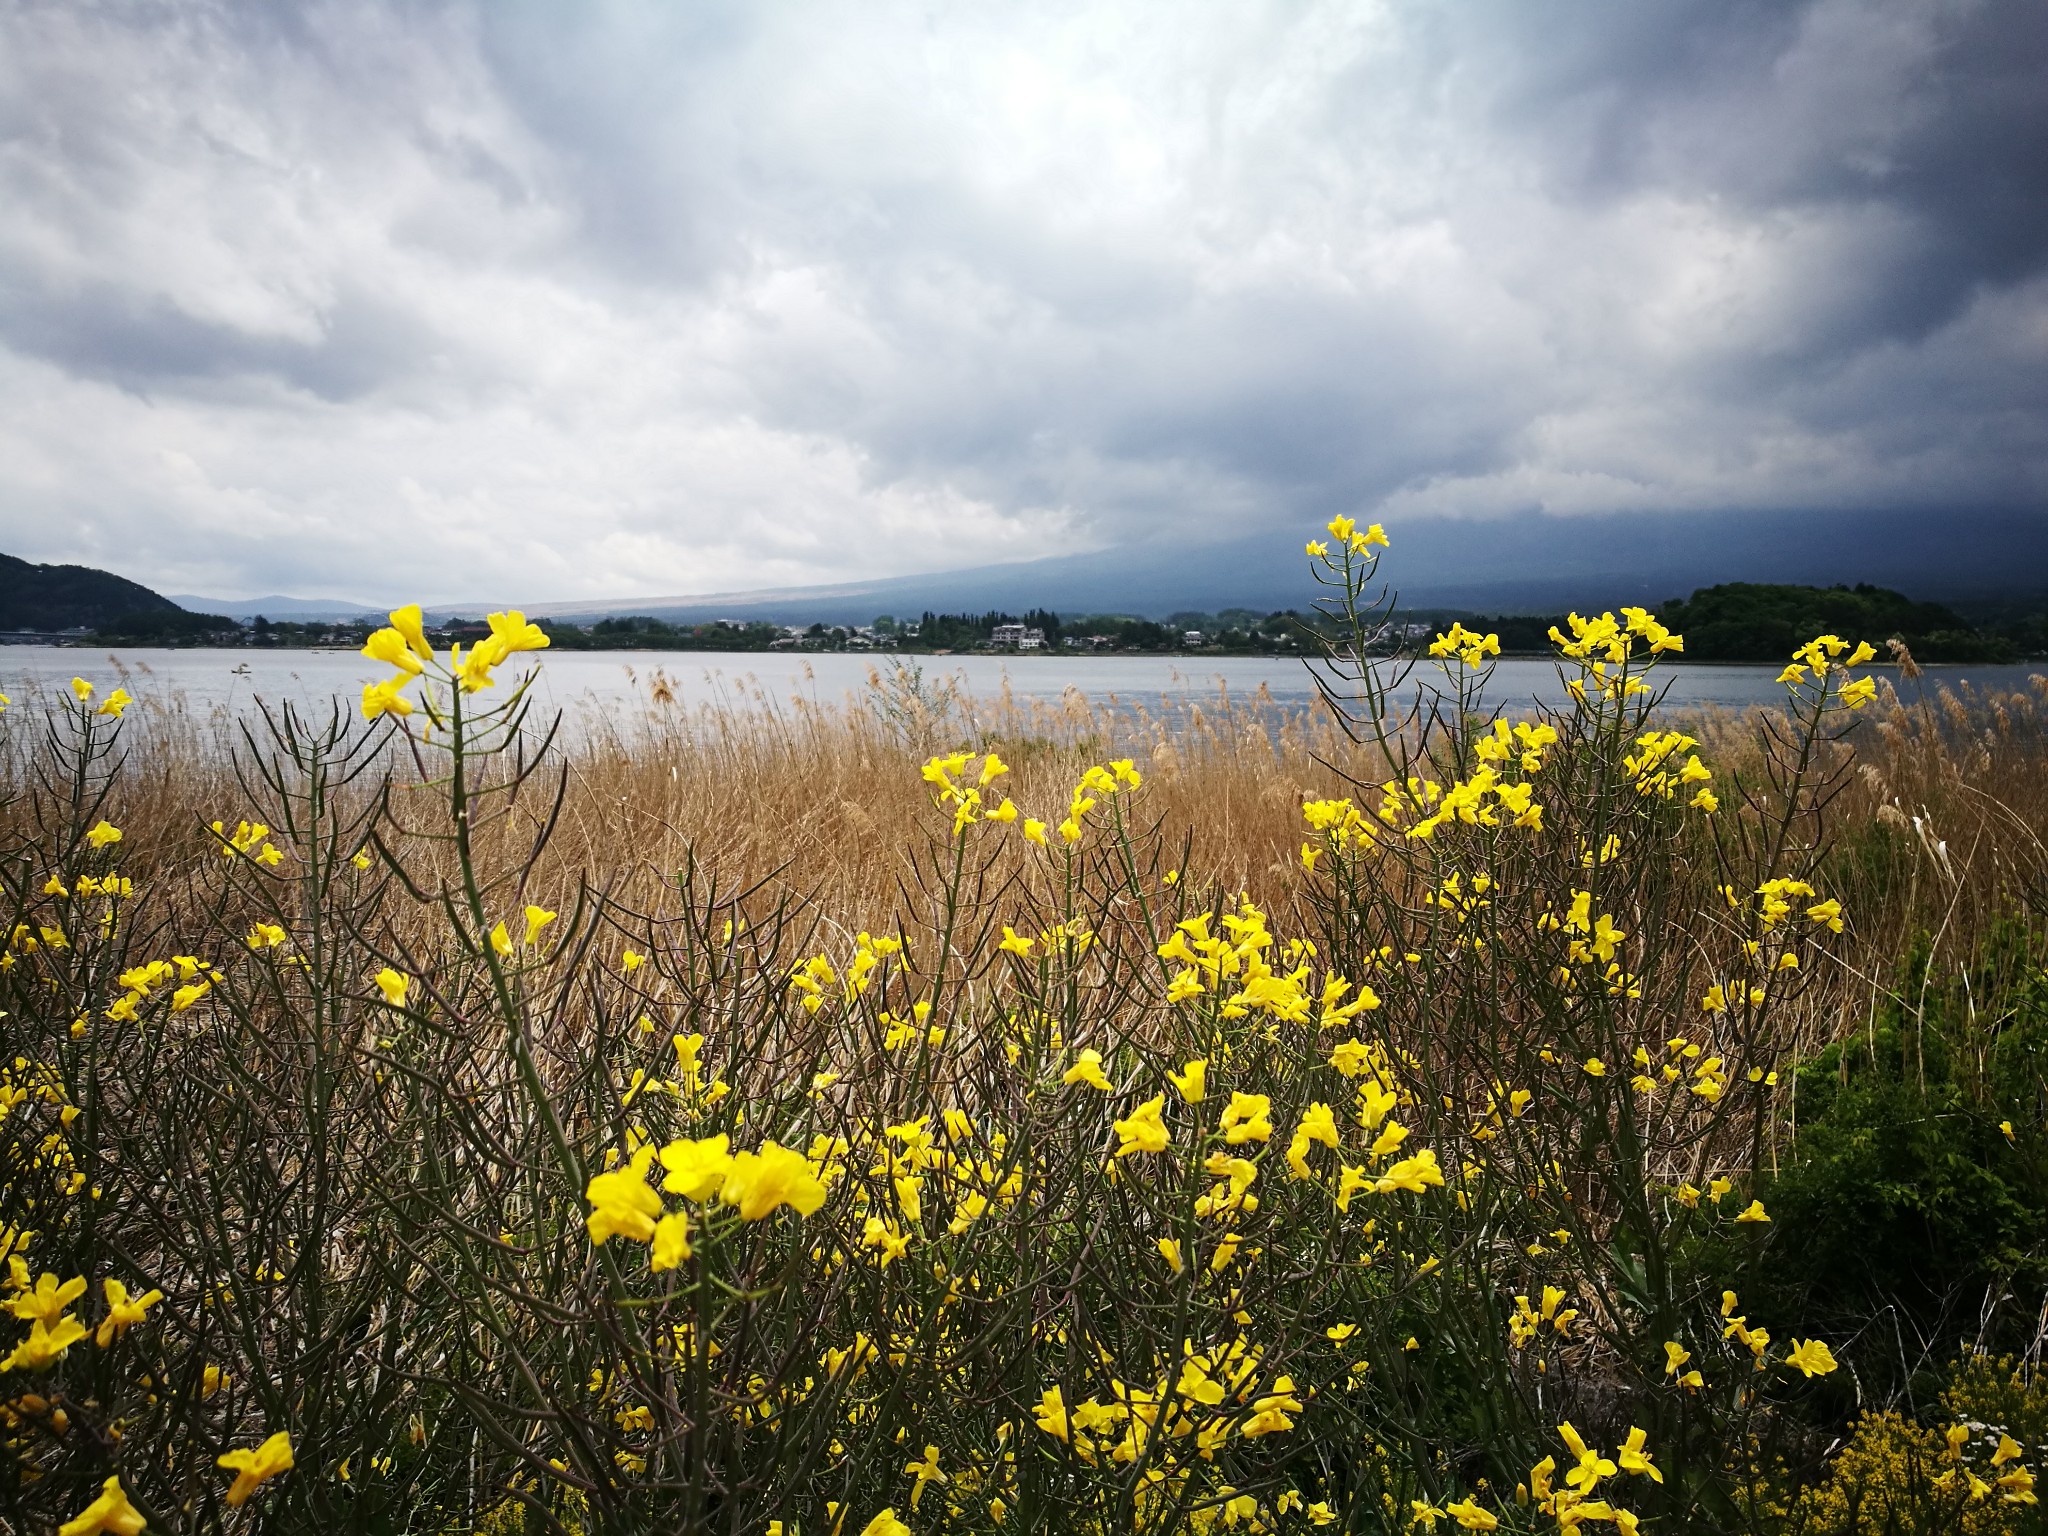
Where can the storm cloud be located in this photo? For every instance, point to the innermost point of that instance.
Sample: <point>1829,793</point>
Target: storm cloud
<point>538,301</point>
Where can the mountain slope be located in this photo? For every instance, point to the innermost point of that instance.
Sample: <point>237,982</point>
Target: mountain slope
<point>1530,564</point>
<point>57,597</point>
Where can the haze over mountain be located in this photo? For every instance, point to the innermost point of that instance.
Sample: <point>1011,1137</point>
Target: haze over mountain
<point>1521,565</point>
<point>1530,565</point>
<point>276,606</point>
<point>473,301</point>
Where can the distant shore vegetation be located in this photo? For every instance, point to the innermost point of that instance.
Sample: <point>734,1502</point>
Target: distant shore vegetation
<point>1731,622</point>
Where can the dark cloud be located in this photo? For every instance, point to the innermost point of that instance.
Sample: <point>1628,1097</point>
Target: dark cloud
<point>575,300</point>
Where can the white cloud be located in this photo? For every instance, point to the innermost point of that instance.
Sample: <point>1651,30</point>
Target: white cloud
<point>463,301</point>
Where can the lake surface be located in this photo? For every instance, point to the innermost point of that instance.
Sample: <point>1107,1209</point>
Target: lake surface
<point>619,683</point>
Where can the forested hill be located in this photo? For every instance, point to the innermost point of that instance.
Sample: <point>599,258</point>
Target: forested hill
<point>1754,621</point>
<point>56,597</point>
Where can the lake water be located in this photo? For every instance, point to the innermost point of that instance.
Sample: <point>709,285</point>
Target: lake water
<point>618,682</point>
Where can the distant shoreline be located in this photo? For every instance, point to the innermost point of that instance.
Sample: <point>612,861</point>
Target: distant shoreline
<point>1034,657</point>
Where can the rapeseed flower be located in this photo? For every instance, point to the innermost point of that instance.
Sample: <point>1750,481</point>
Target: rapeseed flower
<point>110,1513</point>
<point>622,1203</point>
<point>1143,1130</point>
<point>697,1170</point>
<point>1812,1358</point>
<point>1087,1068</point>
<point>45,1345</point>
<point>1245,1118</point>
<point>760,1182</point>
<point>253,1469</point>
<point>123,1311</point>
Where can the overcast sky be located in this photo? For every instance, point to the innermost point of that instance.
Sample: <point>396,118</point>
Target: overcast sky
<point>579,300</point>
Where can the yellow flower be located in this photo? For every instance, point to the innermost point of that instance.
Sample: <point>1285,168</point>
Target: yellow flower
<point>1351,1058</point>
<point>104,834</point>
<point>537,918</point>
<point>81,689</point>
<point>110,1512</point>
<point>671,1242</point>
<point>1143,1130</point>
<point>1169,1250</point>
<point>1634,1459</point>
<point>1034,831</point>
<point>123,1312</point>
<point>1471,1516</point>
<point>510,632</point>
<point>1051,1413</point>
<point>1827,913</point>
<point>925,1470</point>
<point>393,985</point>
<point>1592,1466</point>
<point>1013,942</point>
<point>889,1243</point>
<point>1754,1212</point>
<point>696,1169</point>
<point>114,703</point>
<point>621,1202</point>
<point>1191,1081</point>
<point>886,1524</point>
<point>759,1182</point>
<point>386,698</point>
<point>631,961</point>
<point>46,1302</point>
<point>1813,1358</point>
<point>1413,1174</point>
<point>992,768</point>
<point>1087,1068</point>
<point>1675,1355</point>
<point>253,1469</point>
<point>1470,648</point>
<point>406,621</point>
<point>390,647</point>
<point>1245,1118</point>
<point>44,1346</point>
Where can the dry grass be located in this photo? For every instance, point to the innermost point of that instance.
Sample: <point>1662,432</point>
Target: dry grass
<point>1936,831</point>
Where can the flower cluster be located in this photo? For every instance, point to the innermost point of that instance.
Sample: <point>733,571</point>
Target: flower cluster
<point>404,646</point>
